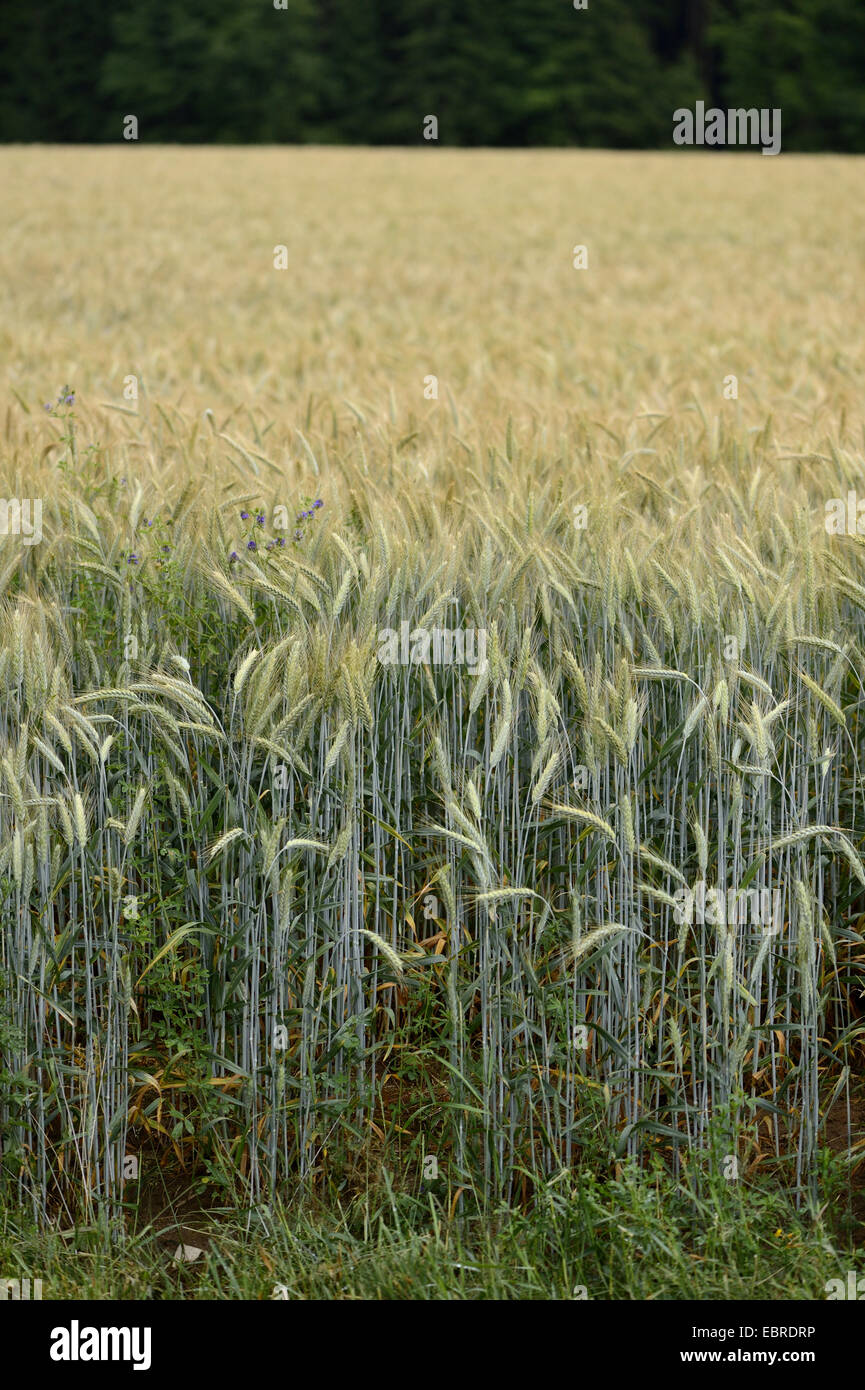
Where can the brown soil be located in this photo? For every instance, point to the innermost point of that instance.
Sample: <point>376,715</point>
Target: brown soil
<point>838,1139</point>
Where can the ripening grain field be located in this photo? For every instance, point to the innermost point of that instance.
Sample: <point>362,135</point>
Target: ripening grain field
<point>431,699</point>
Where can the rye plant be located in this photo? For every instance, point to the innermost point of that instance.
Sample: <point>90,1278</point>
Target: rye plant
<point>268,902</point>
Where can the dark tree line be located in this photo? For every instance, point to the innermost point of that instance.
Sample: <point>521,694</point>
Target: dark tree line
<point>515,72</point>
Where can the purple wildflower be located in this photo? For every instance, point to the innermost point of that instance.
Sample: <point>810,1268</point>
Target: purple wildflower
<point>260,518</point>
<point>244,516</point>
<point>250,545</point>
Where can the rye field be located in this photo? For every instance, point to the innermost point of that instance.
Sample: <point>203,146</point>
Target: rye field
<point>432,659</point>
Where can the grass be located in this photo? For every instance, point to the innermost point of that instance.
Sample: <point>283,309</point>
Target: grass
<point>281,911</point>
<point>634,1237</point>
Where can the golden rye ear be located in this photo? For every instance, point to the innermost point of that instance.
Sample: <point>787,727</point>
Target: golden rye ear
<point>532,719</point>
